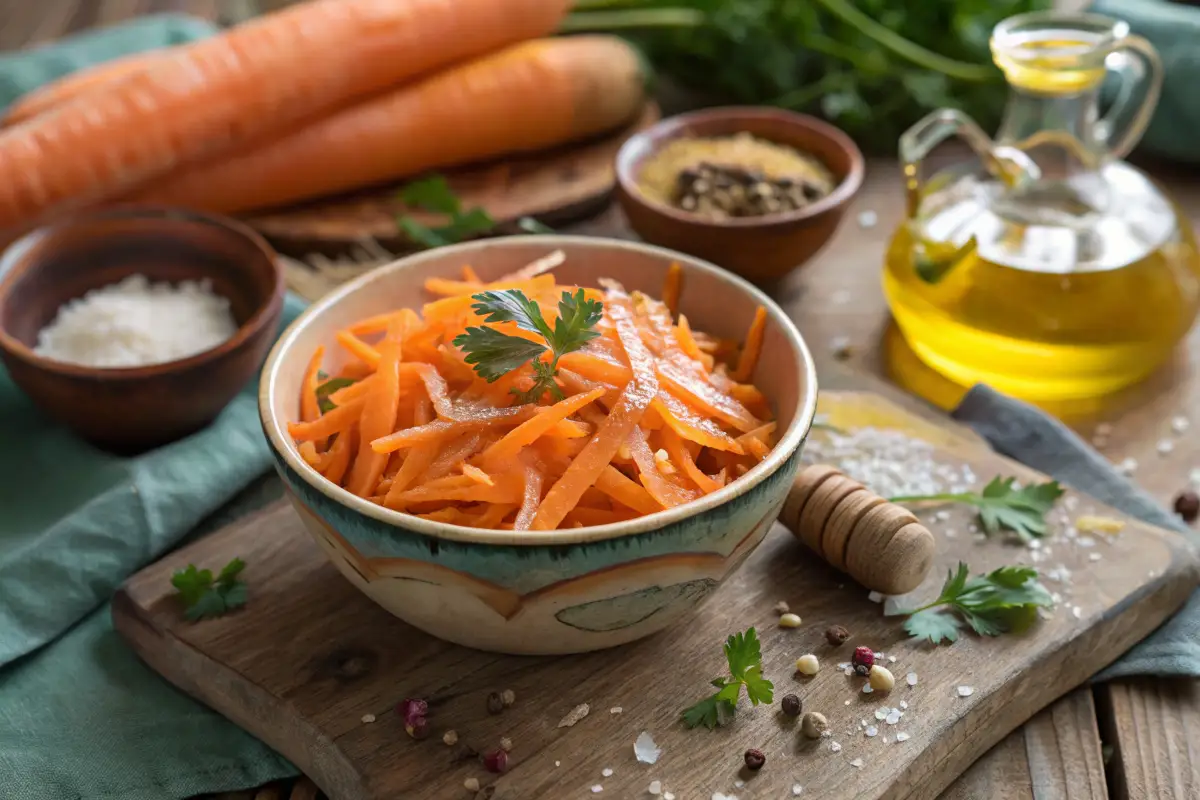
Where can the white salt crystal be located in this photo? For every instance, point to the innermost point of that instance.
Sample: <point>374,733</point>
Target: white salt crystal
<point>1164,446</point>
<point>880,714</point>
<point>1094,556</point>
<point>872,731</point>
<point>857,763</point>
<point>668,796</point>
<point>797,790</point>
<point>902,737</point>
<point>655,788</point>
<point>368,718</point>
<point>966,691</point>
<point>868,219</point>
<point>835,748</point>
<point>645,749</point>
<point>739,783</point>
<point>904,704</point>
<point>597,789</point>
<point>893,718</point>
<point>911,678</point>
<point>135,323</point>
<point>615,710</point>
<point>1180,424</point>
<point>606,772</point>
<point>867,688</point>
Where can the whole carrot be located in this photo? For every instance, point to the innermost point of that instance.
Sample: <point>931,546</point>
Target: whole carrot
<point>78,83</point>
<point>530,96</point>
<point>254,80</point>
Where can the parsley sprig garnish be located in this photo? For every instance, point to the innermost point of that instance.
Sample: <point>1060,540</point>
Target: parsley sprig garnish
<point>1003,601</point>
<point>433,194</point>
<point>1002,507</point>
<point>205,596</point>
<point>328,387</point>
<point>744,655</point>
<point>494,353</point>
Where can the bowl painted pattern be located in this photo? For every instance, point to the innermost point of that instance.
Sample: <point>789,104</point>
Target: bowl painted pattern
<point>551,592</point>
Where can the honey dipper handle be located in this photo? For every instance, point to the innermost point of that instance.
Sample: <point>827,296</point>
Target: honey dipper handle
<point>877,543</point>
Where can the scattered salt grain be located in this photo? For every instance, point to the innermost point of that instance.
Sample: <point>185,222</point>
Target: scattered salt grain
<point>655,788</point>
<point>857,763</point>
<point>891,659</point>
<point>880,714</point>
<point>645,749</point>
<point>875,597</point>
<point>872,731</point>
<point>797,790</point>
<point>911,678</point>
<point>739,783</point>
<point>615,710</point>
<point>722,796</point>
<point>1180,424</point>
<point>1076,612</point>
<point>867,688</point>
<point>558,763</point>
<point>847,702</point>
<point>868,219</point>
<point>1164,446</point>
<point>574,715</point>
<point>966,691</point>
<point>904,704</point>
<point>471,784</point>
<point>606,772</point>
<point>782,607</point>
<point>893,717</point>
<point>1094,556</point>
<point>597,789</point>
<point>902,737</point>
<point>834,747</point>
<point>368,718</point>
<point>668,796</point>
<point>1128,466</point>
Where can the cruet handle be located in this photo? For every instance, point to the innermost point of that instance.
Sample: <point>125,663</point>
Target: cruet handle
<point>1008,164</point>
<point>1137,63</point>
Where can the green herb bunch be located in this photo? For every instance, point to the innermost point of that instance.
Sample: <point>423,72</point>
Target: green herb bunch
<point>1002,506</point>
<point>744,656</point>
<point>204,595</point>
<point>872,67</point>
<point>493,353</point>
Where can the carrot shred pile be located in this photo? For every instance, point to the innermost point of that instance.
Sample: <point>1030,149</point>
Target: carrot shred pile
<point>655,414</point>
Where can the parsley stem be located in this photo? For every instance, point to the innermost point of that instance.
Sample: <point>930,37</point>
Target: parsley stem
<point>965,497</point>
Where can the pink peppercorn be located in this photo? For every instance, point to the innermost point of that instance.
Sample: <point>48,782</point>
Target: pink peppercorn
<point>496,761</point>
<point>863,660</point>
<point>412,709</point>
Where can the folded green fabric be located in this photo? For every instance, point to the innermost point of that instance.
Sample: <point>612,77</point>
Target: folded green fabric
<point>25,71</point>
<point>81,718</point>
<point>1174,30</point>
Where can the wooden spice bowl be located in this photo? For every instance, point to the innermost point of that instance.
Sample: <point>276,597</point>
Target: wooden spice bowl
<point>130,410</point>
<point>762,249</point>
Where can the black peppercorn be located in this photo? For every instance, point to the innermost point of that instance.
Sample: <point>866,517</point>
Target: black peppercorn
<point>791,705</point>
<point>755,759</point>
<point>836,635</point>
<point>495,703</point>
<point>1187,505</point>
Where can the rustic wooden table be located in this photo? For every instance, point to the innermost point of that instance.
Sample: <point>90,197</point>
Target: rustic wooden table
<point>1129,739</point>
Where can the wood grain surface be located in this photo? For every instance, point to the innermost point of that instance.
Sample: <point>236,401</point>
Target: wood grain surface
<point>310,656</point>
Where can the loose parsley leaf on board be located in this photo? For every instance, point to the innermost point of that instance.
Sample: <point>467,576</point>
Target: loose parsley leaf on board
<point>1003,507</point>
<point>494,353</point>
<point>204,596</point>
<point>433,194</point>
<point>1003,601</point>
<point>744,656</point>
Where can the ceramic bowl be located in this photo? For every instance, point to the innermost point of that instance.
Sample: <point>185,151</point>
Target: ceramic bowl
<point>544,592</point>
<point>762,249</point>
<point>134,409</point>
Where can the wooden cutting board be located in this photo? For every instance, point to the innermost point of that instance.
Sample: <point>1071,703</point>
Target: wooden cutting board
<point>553,186</point>
<point>310,657</point>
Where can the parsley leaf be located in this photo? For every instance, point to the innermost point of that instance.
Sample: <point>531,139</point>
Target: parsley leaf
<point>494,353</point>
<point>204,596</point>
<point>327,388</point>
<point>1003,507</point>
<point>433,194</point>
<point>744,656</point>
<point>1003,601</point>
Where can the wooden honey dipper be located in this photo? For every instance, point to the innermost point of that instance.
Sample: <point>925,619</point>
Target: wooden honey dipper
<point>876,542</point>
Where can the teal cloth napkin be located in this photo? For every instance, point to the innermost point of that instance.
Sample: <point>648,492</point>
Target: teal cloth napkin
<point>81,718</point>
<point>1174,30</point>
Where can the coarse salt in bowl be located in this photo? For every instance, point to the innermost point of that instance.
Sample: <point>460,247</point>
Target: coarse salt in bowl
<point>134,408</point>
<point>555,591</point>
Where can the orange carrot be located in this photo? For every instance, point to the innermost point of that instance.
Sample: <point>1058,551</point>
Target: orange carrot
<point>418,459</point>
<point>358,348</point>
<point>335,421</point>
<point>673,287</point>
<point>666,491</point>
<point>378,415</point>
<point>752,347</point>
<point>613,483</point>
<point>253,81</point>
<point>340,454</point>
<point>626,414</point>
<point>469,275</point>
<point>81,82</point>
<point>528,432</point>
<point>309,408</point>
<point>525,98</point>
<point>477,475</point>
<point>680,456</point>
<point>532,495</point>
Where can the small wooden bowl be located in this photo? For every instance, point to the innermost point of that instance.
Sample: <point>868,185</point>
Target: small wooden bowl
<point>134,409</point>
<point>762,249</point>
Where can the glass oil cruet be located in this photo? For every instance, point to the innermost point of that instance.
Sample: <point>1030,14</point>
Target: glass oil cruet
<point>1054,271</point>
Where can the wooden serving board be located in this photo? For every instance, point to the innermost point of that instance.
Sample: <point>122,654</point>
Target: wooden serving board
<point>310,656</point>
<point>554,186</point>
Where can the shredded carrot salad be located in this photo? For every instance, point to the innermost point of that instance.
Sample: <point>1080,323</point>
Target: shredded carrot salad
<point>524,404</point>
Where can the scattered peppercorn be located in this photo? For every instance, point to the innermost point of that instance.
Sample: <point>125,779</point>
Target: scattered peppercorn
<point>495,703</point>
<point>881,679</point>
<point>417,728</point>
<point>791,705</point>
<point>814,725</point>
<point>508,696</point>
<point>1187,505</point>
<point>496,761</point>
<point>471,784</point>
<point>412,708</point>
<point>755,759</point>
<point>863,659</point>
<point>836,635</point>
<point>506,744</point>
<point>808,664</point>
<point>450,738</point>
<point>789,621</point>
